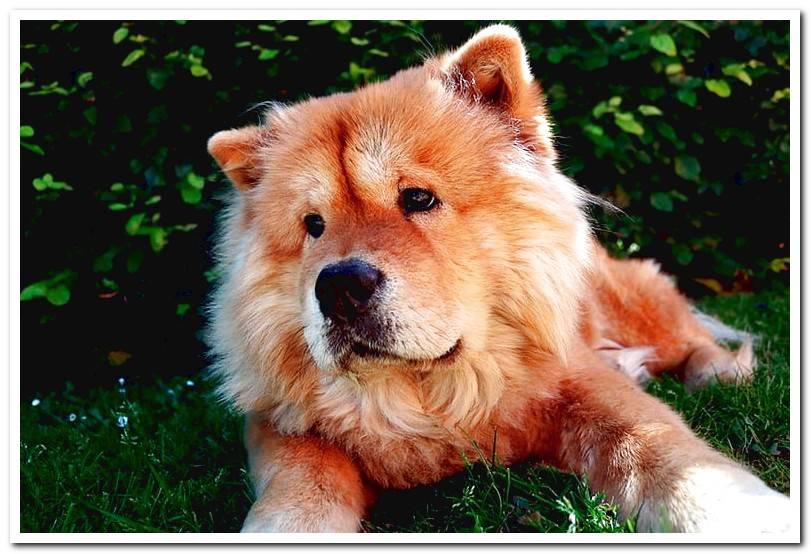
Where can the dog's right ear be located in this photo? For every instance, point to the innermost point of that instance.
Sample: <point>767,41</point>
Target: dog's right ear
<point>237,151</point>
<point>492,69</point>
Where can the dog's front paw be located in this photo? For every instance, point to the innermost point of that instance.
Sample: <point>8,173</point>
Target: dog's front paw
<point>724,500</point>
<point>336,519</point>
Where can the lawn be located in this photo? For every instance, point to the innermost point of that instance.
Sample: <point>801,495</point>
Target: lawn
<point>166,457</point>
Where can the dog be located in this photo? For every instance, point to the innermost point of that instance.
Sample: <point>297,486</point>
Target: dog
<point>409,275</point>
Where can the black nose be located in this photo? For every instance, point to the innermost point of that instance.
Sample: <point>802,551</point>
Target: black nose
<point>344,289</point>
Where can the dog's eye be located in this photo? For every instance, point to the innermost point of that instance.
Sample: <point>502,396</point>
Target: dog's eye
<point>417,200</point>
<point>314,224</point>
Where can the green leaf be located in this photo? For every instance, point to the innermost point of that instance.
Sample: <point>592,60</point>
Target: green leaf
<point>683,254</point>
<point>134,260</point>
<point>41,183</point>
<point>358,73</point>
<point>687,96</point>
<point>266,28</point>
<point>158,237</point>
<point>58,295</point>
<point>595,61</point>
<point>26,131</point>
<point>627,122</point>
<point>359,41</point>
<point>123,124</point>
<point>47,182</point>
<point>134,223</point>
<point>737,70</point>
<point>158,77</point>
<point>343,27</point>
<point>140,39</point>
<point>555,54</point>
<point>268,54</point>
<point>120,34</point>
<point>314,22</point>
<point>719,87</point>
<point>185,227</point>
<point>664,44</point>
<point>191,195</point>
<point>51,88</point>
<point>687,167</point>
<point>35,148</point>
<point>198,70</point>
<point>84,78</point>
<point>60,185</point>
<point>133,57</point>
<point>195,180</point>
<point>780,94</point>
<point>594,130</point>
<point>600,109</point>
<point>695,26</point>
<point>152,200</point>
<point>182,309</point>
<point>91,114</point>
<point>117,207</point>
<point>647,109</point>
<point>661,201</point>
<point>109,283</point>
<point>104,262</point>
<point>34,290</point>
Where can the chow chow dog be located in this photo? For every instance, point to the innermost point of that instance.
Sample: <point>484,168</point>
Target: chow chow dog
<point>409,277</point>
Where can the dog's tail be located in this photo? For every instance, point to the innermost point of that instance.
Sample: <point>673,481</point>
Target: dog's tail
<point>721,331</point>
<point>714,364</point>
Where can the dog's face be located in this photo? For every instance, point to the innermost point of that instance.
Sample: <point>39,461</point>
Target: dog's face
<point>403,226</point>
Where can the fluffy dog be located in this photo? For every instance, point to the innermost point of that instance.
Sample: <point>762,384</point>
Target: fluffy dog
<point>408,272</point>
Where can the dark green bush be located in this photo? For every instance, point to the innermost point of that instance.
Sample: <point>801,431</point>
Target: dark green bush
<point>684,125</point>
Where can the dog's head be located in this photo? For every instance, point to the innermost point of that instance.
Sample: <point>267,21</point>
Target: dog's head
<point>402,226</point>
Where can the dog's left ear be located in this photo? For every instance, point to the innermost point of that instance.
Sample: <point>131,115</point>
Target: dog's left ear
<point>492,67</point>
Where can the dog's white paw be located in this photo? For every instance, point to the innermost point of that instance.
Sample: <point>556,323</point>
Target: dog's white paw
<point>722,499</point>
<point>337,519</point>
<point>746,512</point>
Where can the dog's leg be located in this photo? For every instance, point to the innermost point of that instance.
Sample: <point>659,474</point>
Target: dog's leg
<point>647,327</point>
<point>643,456</point>
<point>302,484</point>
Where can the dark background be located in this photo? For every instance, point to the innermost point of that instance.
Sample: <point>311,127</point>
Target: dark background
<point>683,125</point>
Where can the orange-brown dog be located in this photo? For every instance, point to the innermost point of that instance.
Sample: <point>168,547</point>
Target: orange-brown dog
<point>407,272</point>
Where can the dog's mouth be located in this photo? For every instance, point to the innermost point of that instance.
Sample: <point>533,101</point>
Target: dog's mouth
<point>364,351</point>
<point>367,352</point>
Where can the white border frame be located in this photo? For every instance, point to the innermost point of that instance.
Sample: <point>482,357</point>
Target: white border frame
<point>523,14</point>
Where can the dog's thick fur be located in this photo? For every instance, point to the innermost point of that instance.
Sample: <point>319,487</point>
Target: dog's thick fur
<point>504,319</point>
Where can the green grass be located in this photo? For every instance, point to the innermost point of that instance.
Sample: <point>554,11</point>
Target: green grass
<point>178,463</point>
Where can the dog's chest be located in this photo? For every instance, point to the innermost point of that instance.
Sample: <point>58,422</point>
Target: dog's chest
<point>400,444</point>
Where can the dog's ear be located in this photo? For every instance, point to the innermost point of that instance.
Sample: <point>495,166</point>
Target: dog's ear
<point>492,67</point>
<point>237,151</point>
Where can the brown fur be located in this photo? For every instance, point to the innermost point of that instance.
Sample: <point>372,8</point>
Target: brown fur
<point>506,265</point>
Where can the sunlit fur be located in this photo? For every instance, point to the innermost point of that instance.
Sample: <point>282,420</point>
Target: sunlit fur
<point>506,267</point>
